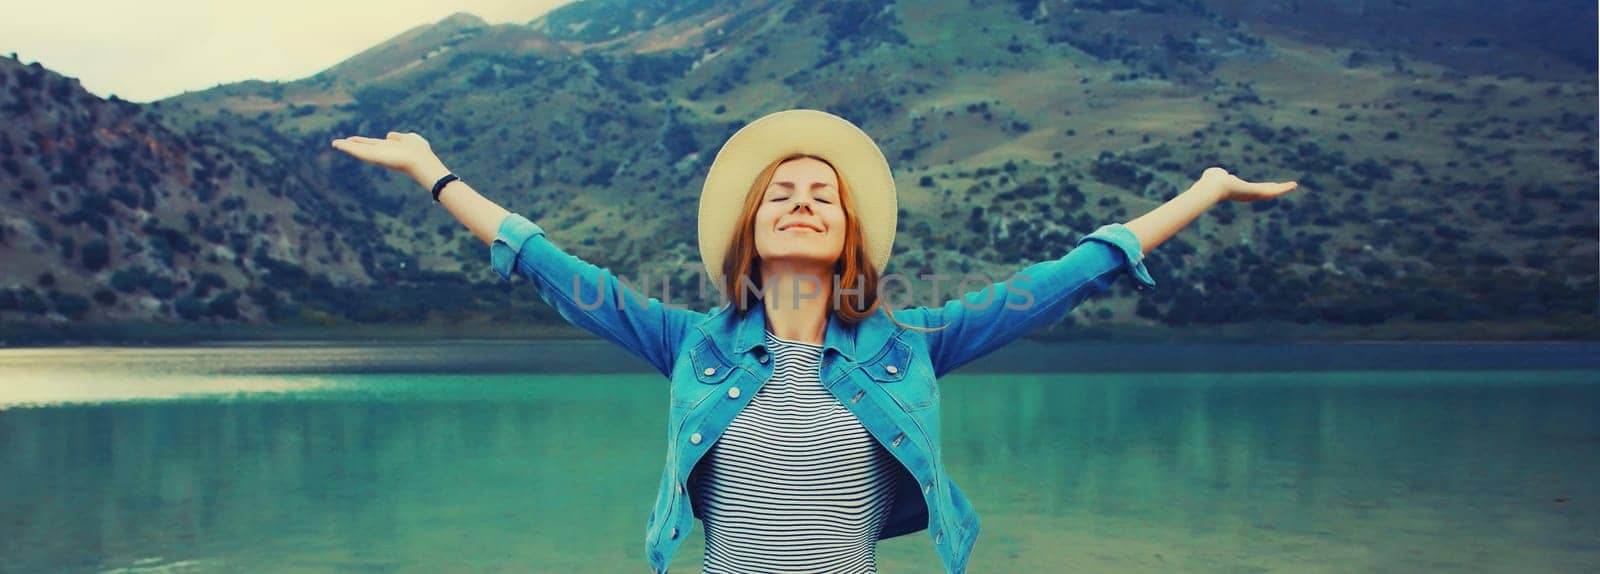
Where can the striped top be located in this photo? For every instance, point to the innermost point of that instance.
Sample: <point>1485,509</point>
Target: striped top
<point>795,484</point>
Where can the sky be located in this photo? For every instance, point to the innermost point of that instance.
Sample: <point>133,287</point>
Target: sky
<point>145,50</point>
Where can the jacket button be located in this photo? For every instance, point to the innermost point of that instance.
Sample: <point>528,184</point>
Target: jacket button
<point>680,489</point>
<point>674,532</point>
<point>694,438</point>
<point>936,538</point>
<point>892,369</point>
<point>762,359</point>
<point>926,488</point>
<point>857,398</point>
<point>710,371</point>
<point>733,392</point>
<point>898,439</point>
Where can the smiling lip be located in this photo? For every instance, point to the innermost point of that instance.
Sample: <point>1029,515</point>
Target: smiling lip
<point>805,225</point>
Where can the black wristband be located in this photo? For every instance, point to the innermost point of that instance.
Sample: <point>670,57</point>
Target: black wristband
<point>439,185</point>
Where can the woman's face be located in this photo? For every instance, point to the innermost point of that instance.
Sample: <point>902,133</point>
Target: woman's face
<point>800,218</point>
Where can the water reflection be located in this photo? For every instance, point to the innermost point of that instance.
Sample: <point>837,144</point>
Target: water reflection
<point>193,465</point>
<point>1349,471</point>
<point>429,473</point>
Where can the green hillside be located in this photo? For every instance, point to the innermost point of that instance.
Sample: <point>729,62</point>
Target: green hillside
<point>1443,195</point>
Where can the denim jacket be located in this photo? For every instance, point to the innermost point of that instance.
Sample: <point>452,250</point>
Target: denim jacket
<point>883,373</point>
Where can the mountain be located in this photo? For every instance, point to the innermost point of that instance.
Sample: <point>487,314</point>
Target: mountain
<point>1447,174</point>
<point>116,213</point>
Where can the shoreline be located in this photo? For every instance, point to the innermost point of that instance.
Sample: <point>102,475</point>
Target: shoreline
<point>26,335</point>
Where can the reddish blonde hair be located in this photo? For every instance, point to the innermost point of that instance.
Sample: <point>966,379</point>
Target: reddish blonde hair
<point>858,278</point>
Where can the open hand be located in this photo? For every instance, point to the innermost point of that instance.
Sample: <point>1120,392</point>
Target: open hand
<point>1230,188</point>
<point>406,153</point>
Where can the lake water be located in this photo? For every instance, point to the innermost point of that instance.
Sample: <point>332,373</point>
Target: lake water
<point>543,457</point>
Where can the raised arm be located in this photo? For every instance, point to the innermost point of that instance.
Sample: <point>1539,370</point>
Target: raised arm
<point>585,295</point>
<point>410,155</point>
<point>981,321</point>
<point>480,215</point>
<point>1215,186</point>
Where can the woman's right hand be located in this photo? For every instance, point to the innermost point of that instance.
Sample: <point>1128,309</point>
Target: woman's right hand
<point>407,153</point>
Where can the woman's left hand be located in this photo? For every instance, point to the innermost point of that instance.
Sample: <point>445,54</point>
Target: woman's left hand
<point>1230,188</point>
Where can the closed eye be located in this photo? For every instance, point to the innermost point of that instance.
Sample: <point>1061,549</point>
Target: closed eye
<point>819,200</point>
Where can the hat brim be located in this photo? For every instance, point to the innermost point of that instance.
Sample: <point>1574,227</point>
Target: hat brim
<point>750,150</point>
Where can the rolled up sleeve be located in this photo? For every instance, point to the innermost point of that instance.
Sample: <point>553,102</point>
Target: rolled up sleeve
<point>515,231</point>
<point>1124,241</point>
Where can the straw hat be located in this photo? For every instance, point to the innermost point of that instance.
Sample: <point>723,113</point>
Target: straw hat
<point>853,154</point>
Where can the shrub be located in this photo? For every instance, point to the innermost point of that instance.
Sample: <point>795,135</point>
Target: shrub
<point>172,238</point>
<point>263,296</point>
<point>125,196</point>
<point>976,222</point>
<point>378,100</point>
<point>1451,233</point>
<point>225,305</point>
<point>1117,173</point>
<point>30,302</point>
<point>44,231</point>
<point>1489,257</point>
<point>1376,268</point>
<point>130,279</point>
<point>1146,308</point>
<point>208,281</point>
<point>1370,169</point>
<point>1225,212</point>
<point>189,307</point>
<point>72,305</point>
<point>282,310</point>
<point>679,141</point>
<point>96,253</point>
<point>161,287</point>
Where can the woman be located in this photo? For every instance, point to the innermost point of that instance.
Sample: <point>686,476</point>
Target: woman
<point>804,420</point>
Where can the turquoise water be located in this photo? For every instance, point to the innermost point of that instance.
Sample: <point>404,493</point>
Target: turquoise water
<point>238,459</point>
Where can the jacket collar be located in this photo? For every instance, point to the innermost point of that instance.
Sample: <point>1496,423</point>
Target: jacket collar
<point>739,334</point>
